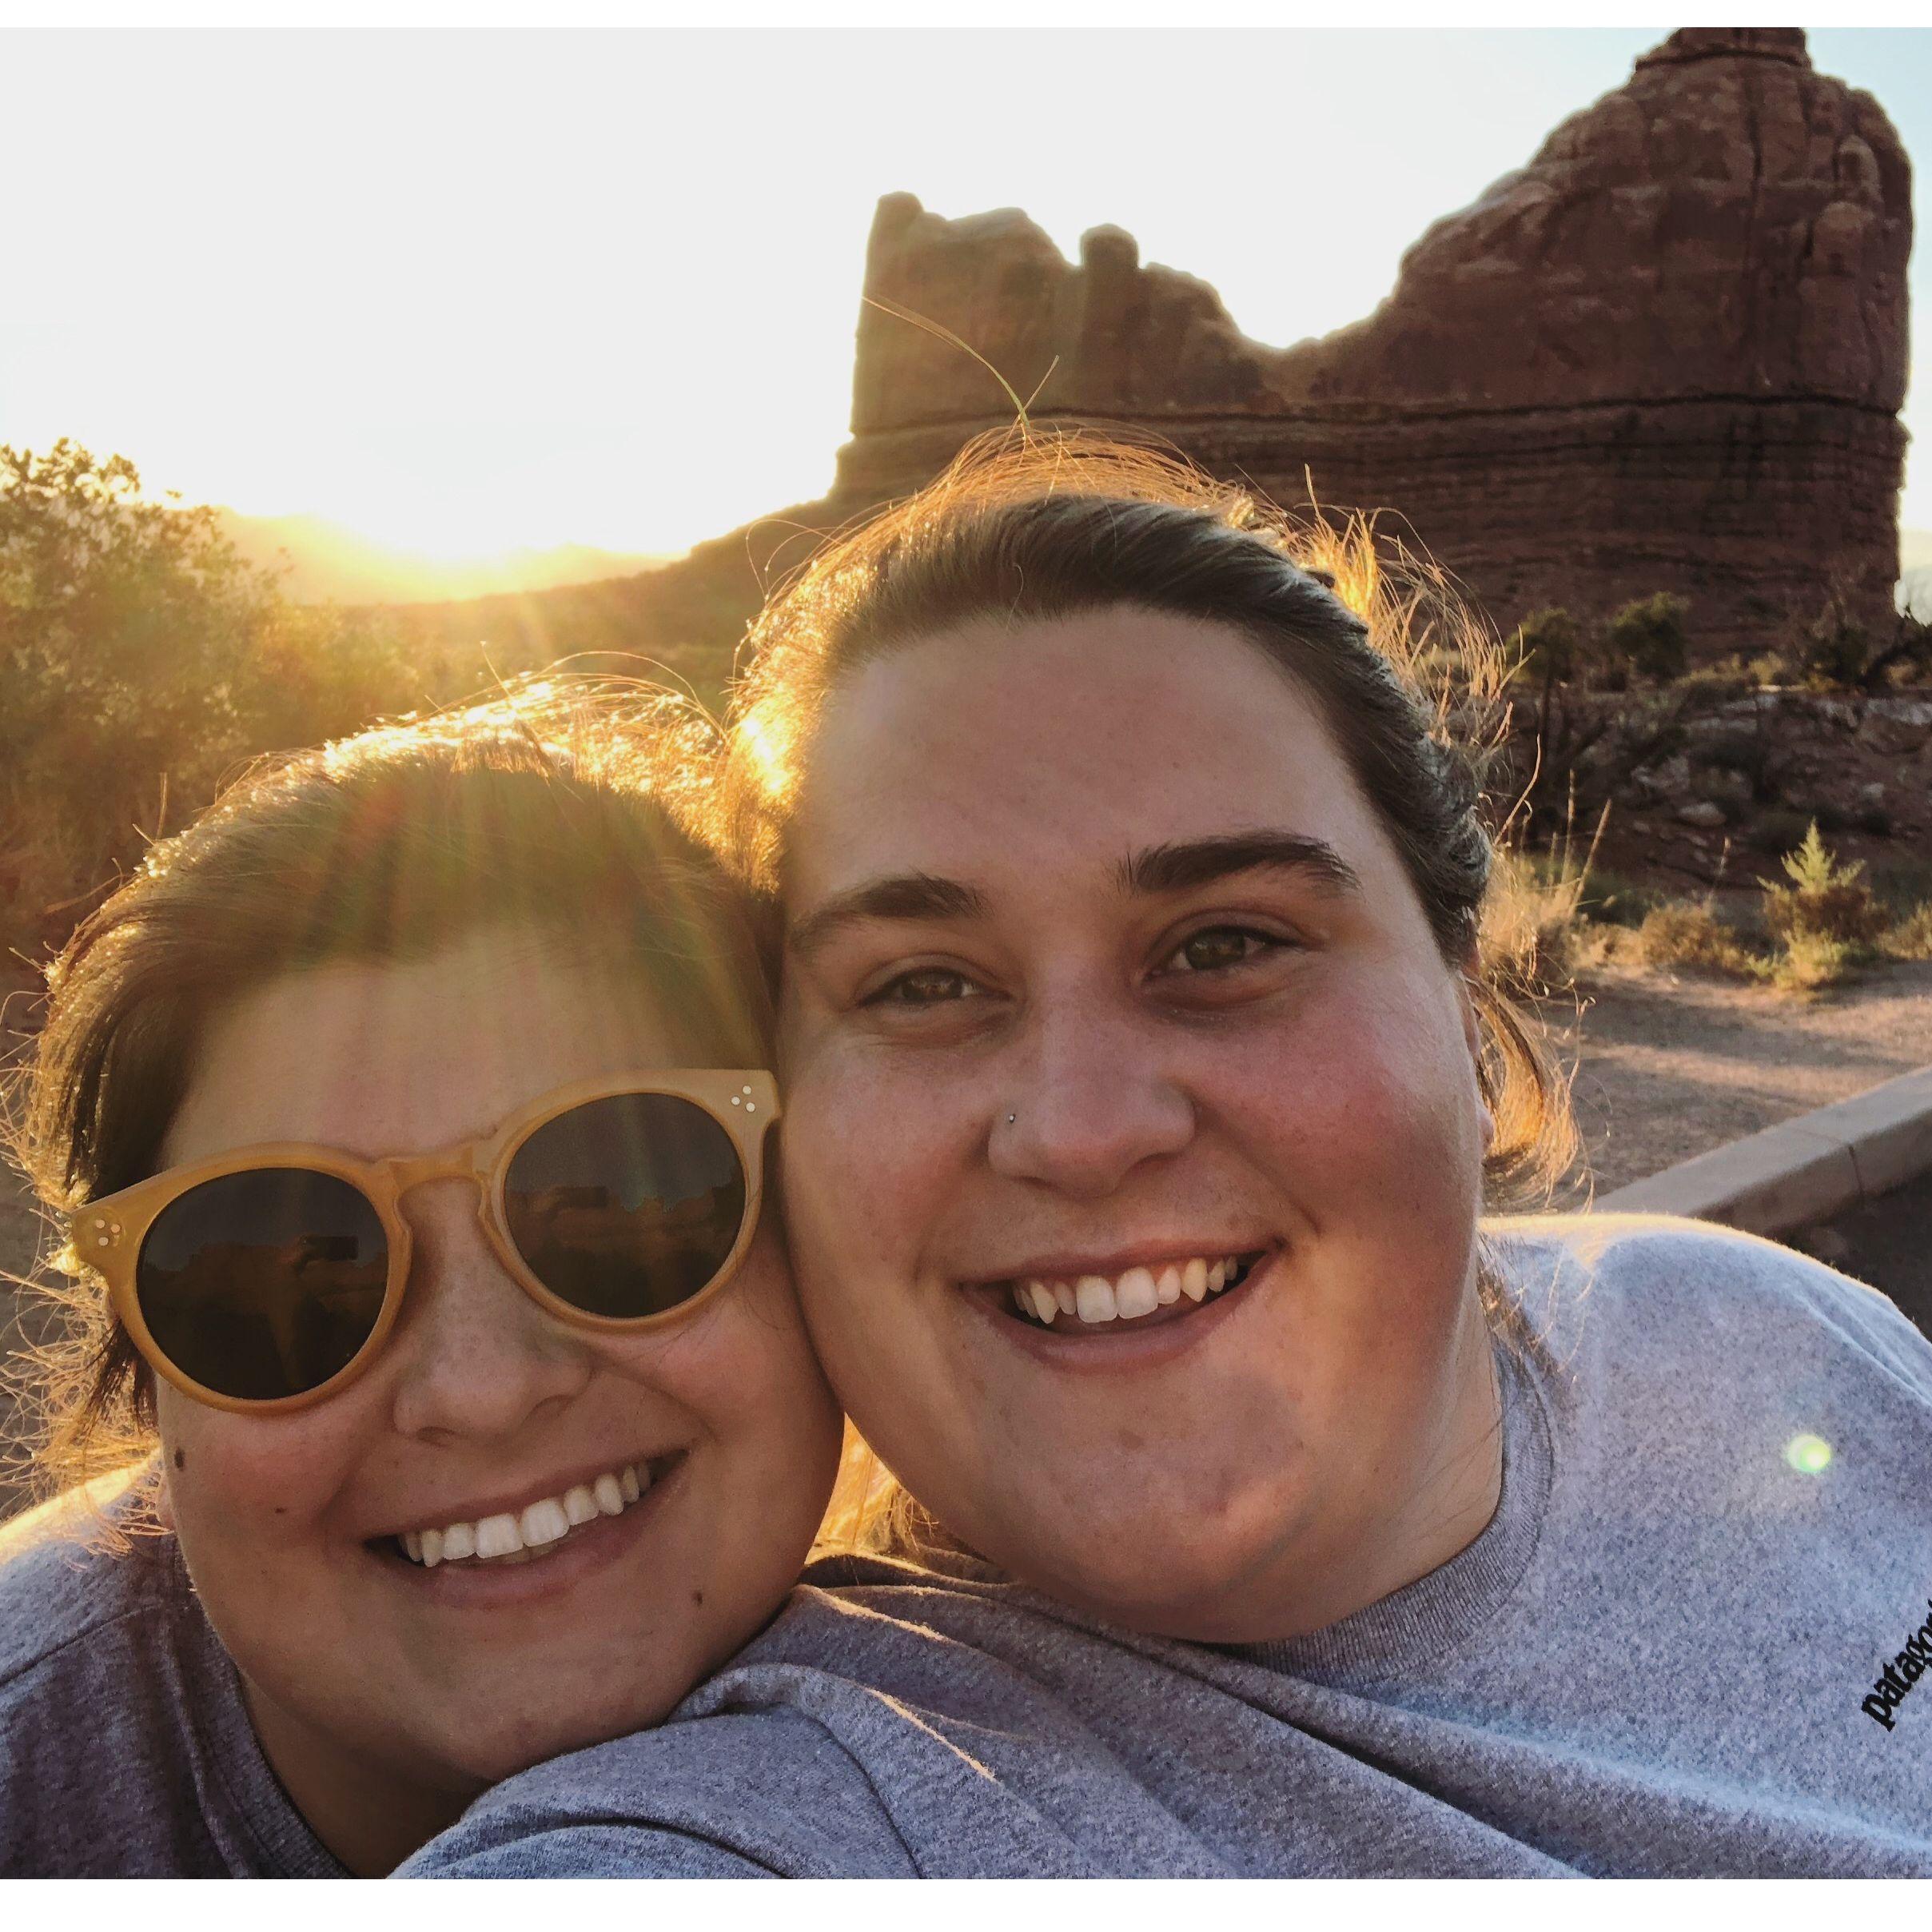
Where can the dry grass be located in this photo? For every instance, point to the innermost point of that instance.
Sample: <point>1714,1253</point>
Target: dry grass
<point>1818,930</point>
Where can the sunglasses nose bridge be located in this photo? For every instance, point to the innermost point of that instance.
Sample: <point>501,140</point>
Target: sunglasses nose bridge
<point>407,1171</point>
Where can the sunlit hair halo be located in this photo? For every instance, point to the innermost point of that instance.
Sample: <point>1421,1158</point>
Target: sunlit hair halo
<point>1026,526</point>
<point>561,807</point>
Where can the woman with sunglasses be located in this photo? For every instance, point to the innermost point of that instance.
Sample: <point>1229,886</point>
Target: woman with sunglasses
<point>1143,1088</point>
<point>406,1116</point>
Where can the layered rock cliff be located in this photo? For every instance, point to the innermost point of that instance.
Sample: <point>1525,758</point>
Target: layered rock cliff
<point>1668,354</point>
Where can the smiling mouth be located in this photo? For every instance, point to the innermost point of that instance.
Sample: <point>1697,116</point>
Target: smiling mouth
<point>539,1529</point>
<point>1135,1298</point>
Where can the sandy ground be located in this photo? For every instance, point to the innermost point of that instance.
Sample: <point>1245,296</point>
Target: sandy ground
<point>1667,1066</point>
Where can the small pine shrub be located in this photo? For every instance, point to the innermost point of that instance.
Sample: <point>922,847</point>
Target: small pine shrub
<point>1825,900</point>
<point>1811,962</point>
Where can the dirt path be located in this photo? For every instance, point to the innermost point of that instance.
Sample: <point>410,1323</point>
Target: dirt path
<point>1672,1064</point>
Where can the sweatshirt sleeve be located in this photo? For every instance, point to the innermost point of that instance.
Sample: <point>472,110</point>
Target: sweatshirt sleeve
<point>762,1794</point>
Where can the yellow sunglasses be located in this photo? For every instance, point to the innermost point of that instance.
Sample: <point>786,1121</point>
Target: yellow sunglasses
<point>266,1279</point>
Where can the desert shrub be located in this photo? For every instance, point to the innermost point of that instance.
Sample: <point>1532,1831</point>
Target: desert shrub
<point>1811,962</point>
<point>1610,899</point>
<point>141,659</point>
<point>1825,900</point>
<point>1551,644</point>
<point>1681,933</point>
<point>1909,936</point>
<point>1837,651</point>
<point>1649,636</point>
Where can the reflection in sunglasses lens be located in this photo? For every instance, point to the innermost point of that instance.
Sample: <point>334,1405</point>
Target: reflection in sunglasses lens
<point>626,1206</point>
<point>264,1284</point>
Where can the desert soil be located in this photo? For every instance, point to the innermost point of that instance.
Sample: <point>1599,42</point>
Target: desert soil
<point>1667,1066</point>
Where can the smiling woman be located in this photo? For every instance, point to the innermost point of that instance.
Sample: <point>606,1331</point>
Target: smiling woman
<point>407,1115</point>
<point>1143,1094</point>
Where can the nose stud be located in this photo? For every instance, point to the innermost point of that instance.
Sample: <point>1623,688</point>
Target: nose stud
<point>1011,1119</point>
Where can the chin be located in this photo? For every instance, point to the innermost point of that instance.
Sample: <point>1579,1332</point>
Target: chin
<point>1148,1578</point>
<point>520,1739</point>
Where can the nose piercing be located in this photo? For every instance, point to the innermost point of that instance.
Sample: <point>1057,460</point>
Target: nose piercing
<point>1011,1119</point>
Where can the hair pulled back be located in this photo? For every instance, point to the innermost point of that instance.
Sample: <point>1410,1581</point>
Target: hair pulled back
<point>1024,529</point>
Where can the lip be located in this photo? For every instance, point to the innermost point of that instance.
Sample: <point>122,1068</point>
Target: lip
<point>1070,1266</point>
<point>513,1502</point>
<point>1127,1347</point>
<point>588,1549</point>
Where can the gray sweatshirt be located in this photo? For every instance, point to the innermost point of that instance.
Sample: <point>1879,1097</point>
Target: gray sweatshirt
<point>1688,1642</point>
<point>125,1750</point>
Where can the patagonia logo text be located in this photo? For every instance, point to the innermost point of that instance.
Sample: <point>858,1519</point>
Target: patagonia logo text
<point>1901,1674</point>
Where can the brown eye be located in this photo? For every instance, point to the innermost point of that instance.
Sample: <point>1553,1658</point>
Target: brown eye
<point>924,987</point>
<point>1216,946</point>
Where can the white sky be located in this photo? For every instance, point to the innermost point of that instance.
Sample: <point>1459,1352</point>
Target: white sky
<point>470,292</point>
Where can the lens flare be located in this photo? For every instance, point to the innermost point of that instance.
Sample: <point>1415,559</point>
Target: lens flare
<point>1809,1454</point>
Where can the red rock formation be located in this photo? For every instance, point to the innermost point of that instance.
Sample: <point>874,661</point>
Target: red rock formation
<point>1667,355</point>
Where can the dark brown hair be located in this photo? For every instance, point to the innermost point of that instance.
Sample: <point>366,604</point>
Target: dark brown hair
<point>560,807</point>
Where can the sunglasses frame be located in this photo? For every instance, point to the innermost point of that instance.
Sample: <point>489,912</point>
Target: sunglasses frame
<point>106,1235</point>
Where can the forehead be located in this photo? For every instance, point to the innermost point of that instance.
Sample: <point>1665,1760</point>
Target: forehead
<point>1064,742</point>
<point>397,1057</point>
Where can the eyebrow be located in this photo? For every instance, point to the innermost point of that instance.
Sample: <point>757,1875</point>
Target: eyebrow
<point>1155,870</point>
<point>1202,862</point>
<point>905,895</point>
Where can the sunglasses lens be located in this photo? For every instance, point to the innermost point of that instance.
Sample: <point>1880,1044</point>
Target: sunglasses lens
<point>626,1206</point>
<point>264,1284</point>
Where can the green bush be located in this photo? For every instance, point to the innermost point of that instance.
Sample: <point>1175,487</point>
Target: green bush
<point>1650,637</point>
<point>1552,642</point>
<point>142,659</point>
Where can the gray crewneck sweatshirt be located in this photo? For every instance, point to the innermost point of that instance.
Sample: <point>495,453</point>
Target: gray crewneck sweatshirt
<point>1688,1642</point>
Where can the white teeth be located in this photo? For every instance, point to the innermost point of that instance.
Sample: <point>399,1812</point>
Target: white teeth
<point>543,1522</point>
<point>510,1536</point>
<point>1134,1294</point>
<point>1093,1298</point>
<point>498,1537</point>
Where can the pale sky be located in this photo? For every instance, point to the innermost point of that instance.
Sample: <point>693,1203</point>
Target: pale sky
<point>472,292</point>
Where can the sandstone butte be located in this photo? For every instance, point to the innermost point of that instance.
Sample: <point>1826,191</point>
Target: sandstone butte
<point>1667,354</point>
